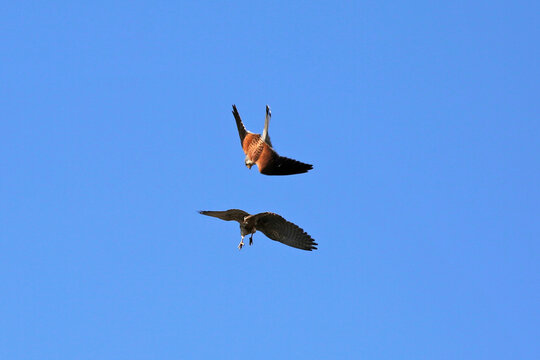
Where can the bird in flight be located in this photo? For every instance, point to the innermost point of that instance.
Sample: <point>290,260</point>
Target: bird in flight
<point>270,224</point>
<point>259,150</point>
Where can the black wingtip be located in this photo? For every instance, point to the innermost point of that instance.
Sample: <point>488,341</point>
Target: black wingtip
<point>241,129</point>
<point>286,166</point>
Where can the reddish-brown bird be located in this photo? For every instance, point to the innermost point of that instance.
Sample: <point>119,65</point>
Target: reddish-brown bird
<point>272,225</point>
<point>259,150</point>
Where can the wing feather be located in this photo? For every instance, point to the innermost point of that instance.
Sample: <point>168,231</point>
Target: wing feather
<point>277,228</point>
<point>265,134</point>
<point>239,124</point>
<point>227,215</point>
<point>281,165</point>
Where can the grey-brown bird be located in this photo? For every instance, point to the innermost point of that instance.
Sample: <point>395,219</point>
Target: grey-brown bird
<point>259,150</point>
<point>270,224</point>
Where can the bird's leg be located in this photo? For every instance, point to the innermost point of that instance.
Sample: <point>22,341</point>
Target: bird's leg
<point>251,240</point>
<point>241,243</point>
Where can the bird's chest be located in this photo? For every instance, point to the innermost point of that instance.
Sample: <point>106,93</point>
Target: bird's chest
<point>248,227</point>
<point>253,146</point>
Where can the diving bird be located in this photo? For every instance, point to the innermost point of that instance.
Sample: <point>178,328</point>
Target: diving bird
<point>270,224</point>
<point>259,150</point>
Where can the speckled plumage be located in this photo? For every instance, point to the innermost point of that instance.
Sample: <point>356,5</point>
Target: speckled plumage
<point>259,150</point>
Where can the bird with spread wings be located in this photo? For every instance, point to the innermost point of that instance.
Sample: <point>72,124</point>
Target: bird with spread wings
<point>270,224</point>
<point>259,150</point>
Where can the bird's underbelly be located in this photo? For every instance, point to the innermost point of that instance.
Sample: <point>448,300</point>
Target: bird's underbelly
<point>253,147</point>
<point>257,152</point>
<point>247,229</point>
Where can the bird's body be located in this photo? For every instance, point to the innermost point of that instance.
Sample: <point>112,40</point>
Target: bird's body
<point>259,150</point>
<point>272,225</point>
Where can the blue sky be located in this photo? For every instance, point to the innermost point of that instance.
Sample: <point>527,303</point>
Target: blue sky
<point>421,120</point>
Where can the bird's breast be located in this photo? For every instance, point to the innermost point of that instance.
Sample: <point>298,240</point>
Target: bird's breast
<point>253,146</point>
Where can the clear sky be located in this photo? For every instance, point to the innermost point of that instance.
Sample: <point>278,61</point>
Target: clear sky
<point>422,121</point>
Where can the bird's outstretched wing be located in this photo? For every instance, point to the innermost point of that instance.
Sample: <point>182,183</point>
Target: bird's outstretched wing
<point>265,134</point>
<point>240,125</point>
<point>227,215</point>
<point>279,229</point>
<point>281,165</point>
